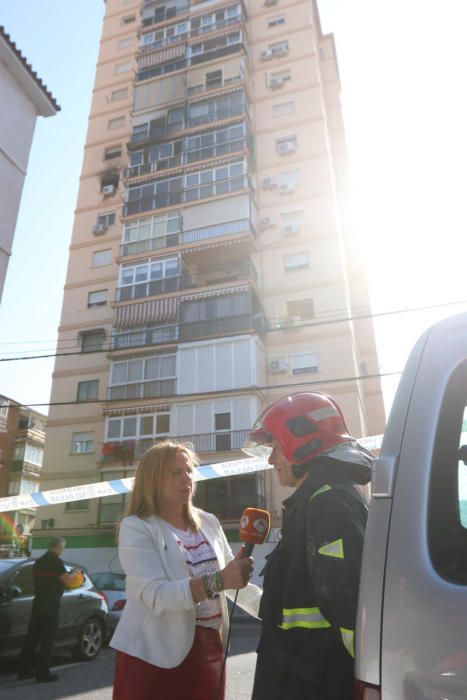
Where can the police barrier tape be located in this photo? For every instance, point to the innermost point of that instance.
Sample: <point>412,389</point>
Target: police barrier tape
<point>115,487</point>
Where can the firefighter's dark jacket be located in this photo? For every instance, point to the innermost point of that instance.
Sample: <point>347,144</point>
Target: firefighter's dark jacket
<point>311,578</point>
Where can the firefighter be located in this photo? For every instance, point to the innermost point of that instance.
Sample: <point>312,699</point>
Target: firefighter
<point>311,578</point>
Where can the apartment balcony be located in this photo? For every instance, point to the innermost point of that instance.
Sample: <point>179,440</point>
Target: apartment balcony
<point>189,280</point>
<point>188,194</point>
<point>153,335</point>
<point>193,155</point>
<point>25,467</point>
<point>204,443</point>
<point>162,14</point>
<point>142,390</point>
<point>213,327</point>
<point>209,115</point>
<point>194,32</point>
<point>195,235</point>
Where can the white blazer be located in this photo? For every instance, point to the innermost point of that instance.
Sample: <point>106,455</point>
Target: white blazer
<point>158,621</point>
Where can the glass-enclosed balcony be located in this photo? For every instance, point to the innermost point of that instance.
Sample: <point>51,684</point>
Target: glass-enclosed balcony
<point>192,27</point>
<point>196,113</point>
<point>152,282</point>
<point>221,180</point>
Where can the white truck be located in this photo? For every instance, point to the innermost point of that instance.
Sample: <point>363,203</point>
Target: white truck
<point>411,631</point>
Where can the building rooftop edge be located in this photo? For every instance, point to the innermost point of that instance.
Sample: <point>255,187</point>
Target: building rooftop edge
<point>29,69</point>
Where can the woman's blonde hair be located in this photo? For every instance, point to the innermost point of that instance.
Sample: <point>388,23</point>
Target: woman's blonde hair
<point>152,470</point>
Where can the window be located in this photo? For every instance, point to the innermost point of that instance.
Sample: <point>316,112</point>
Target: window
<point>77,505</point>
<point>296,261</point>
<point>109,183</point>
<point>145,426</point>
<point>164,226</point>
<point>82,443</point>
<point>222,422</point>
<point>4,410</point>
<point>214,79</point>
<point>128,19</point>
<point>302,362</point>
<point>276,21</point>
<point>106,219</point>
<point>98,298</point>
<point>123,43</point>
<point>291,178</point>
<point>283,108</point>
<point>34,455</point>
<point>92,340</point>
<point>88,391</point>
<point>102,257</point>
<point>292,218</point>
<point>13,487</point>
<point>122,68</point>
<point>112,152</point>
<point>116,123</point>
<point>24,580</point>
<point>120,94</point>
<point>447,507</point>
<point>303,308</point>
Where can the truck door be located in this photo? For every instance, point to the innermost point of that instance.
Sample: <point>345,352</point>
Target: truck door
<point>424,614</point>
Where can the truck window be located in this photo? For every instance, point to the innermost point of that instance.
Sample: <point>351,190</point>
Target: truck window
<point>447,513</point>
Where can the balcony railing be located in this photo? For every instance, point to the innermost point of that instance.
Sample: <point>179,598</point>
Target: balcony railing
<point>142,390</point>
<point>158,133</point>
<point>148,244</point>
<point>189,194</point>
<point>158,335</point>
<point>192,156</point>
<point>126,451</point>
<point>198,31</point>
<point>203,278</point>
<point>194,235</point>
<point>221,326</point>
<point>164,335</point>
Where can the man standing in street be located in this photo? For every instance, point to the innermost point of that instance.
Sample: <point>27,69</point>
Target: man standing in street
<point>50,578</point>
<point>311,579</point>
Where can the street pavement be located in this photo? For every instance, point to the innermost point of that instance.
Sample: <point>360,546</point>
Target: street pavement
<point>93,680</point>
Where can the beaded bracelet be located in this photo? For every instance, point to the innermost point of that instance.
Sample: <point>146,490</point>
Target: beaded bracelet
<point>213,584</point>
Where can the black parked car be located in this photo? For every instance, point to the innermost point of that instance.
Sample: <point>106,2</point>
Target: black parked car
<point>83,612</point>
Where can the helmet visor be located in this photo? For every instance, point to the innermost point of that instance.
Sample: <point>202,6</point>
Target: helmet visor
<point>259,442</point>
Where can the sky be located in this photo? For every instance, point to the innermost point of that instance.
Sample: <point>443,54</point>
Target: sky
<point>402,68</point>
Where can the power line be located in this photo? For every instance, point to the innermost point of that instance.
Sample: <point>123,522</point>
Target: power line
<point>250,389</point>
<point>312,324</point>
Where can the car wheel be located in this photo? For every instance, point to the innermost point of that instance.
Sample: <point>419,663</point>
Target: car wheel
<point>90,640</point>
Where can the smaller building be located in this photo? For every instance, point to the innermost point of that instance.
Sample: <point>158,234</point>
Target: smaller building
<point>24,98</point>
<point>22,438</point>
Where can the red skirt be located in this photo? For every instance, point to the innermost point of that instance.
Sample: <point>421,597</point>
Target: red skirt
<point>198,677</point>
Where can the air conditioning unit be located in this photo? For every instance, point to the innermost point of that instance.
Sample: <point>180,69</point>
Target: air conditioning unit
<point>279,365</point>
<point>99,229</point>
<point>267,222</point>
<point>285,188</point>
<point>108,189</point>
<point>266,55</point>
<point>268,183</point>
<point>290,230</point>
<point>286,148</point>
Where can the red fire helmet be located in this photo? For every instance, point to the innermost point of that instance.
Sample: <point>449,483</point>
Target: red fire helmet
<point>305,425</point>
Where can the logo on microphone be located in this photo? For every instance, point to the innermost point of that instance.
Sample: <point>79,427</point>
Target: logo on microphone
<point>244,521</point>
<point>261,525</point>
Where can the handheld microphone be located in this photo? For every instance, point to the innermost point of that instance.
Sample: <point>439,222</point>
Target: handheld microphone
<point>254,528</point>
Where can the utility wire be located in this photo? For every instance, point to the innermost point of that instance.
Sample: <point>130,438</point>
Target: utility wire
<point>312,324</point>
<point>250,389</point>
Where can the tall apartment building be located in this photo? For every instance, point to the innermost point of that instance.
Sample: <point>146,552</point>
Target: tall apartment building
<point>210,250</point>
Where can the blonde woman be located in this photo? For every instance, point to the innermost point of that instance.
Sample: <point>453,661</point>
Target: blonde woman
<point>178,564</point>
